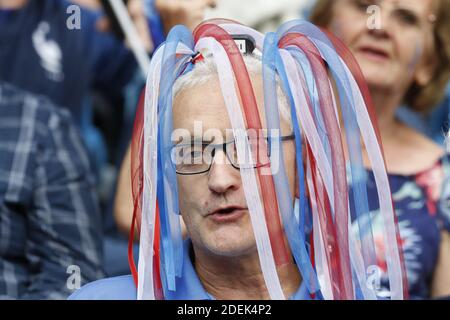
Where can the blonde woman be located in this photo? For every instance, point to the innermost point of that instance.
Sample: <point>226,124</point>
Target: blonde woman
<point>403,49</point>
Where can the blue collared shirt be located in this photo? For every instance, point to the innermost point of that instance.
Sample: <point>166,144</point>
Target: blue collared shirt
<point>188,286</point>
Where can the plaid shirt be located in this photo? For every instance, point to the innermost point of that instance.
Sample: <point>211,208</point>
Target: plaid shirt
<point>50,225</point>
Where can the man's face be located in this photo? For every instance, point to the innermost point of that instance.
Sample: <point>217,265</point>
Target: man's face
<point>213,204</point>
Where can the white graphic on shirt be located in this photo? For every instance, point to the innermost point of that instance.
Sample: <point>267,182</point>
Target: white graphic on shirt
<point>49,52</point>
<point>410,241</point>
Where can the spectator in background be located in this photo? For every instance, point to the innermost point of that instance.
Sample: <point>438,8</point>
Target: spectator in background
<point>161,16</point>
<point>50,226</point>
<point>40,54</point>
<point>406,59</point>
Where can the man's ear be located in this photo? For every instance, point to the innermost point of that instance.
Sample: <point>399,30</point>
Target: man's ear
<point>184,232</point>
<point>297,179</point>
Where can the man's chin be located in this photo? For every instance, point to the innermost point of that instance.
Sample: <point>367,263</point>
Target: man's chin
<point>234,251</point>
<point>230,249</point>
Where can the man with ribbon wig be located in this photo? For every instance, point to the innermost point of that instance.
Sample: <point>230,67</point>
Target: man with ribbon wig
<point>239,136</point>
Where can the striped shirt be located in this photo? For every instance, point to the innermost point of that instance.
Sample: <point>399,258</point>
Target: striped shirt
<point>50,224</point>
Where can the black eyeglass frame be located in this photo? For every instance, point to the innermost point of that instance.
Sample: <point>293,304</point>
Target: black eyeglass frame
<point>223,147</point>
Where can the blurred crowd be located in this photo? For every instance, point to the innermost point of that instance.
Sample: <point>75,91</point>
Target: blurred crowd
<point>69,88</point>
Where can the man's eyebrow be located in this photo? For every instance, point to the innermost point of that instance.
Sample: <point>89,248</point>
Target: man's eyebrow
<point>194,140</point>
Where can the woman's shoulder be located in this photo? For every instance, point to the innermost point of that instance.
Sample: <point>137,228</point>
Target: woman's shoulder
<point>117,288</point>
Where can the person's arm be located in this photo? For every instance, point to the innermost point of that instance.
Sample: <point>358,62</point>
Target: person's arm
<point>123,203</point>
<point>186,12</point>
<point>64,229</point>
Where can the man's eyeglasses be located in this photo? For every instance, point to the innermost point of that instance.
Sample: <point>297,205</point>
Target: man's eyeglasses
<point>197,158</point>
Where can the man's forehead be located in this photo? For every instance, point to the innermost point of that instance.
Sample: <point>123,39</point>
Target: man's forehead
<point>205,103</point>
<point>203,134</point>
<point>199,100</point>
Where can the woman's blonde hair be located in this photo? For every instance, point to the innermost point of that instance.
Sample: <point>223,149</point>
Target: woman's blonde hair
<point>419,98</point>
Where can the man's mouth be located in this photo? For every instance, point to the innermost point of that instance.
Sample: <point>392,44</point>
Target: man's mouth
<point>227,214</point>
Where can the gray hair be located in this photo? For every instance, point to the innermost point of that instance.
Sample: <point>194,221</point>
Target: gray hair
<point>206,69</point>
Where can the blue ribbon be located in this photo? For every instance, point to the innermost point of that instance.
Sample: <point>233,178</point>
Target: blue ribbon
<point>271,64</point>
<point>357,170</point>
<point>171,238</point>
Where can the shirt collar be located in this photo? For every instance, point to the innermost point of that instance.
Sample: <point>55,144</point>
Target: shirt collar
<point>189,286</point>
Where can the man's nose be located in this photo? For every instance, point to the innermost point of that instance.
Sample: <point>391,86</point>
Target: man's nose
<point>223,176</point>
